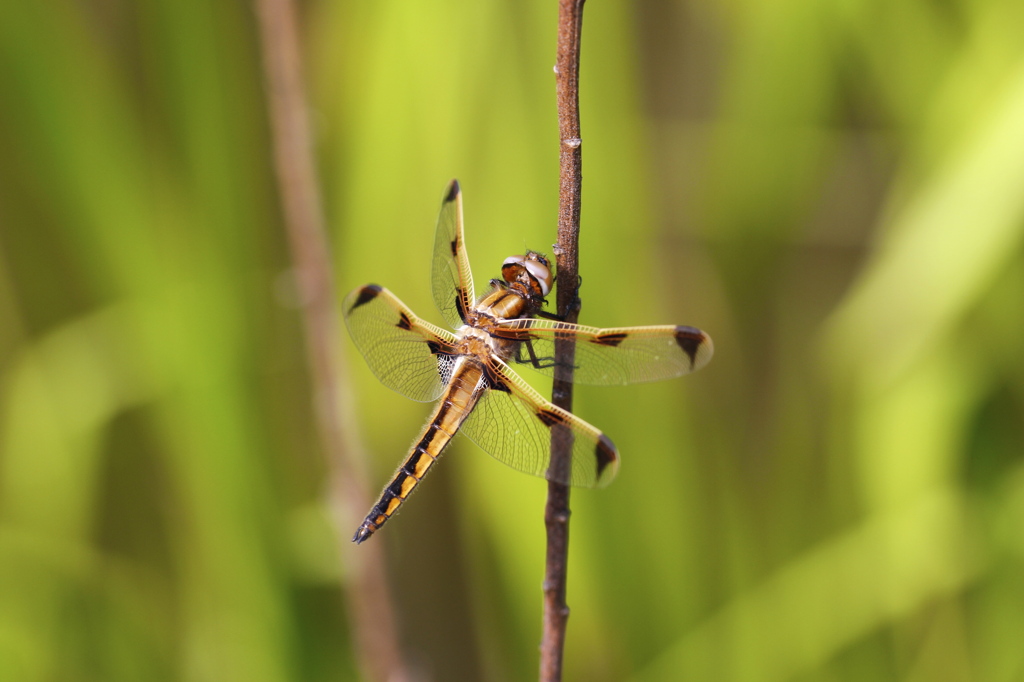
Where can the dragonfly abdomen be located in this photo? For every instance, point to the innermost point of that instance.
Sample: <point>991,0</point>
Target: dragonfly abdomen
<point>451,411</point>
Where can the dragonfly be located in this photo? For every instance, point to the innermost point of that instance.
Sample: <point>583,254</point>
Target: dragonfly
<point>469,371</point>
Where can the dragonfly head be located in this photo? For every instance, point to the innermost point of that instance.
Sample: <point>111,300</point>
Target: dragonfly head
<point>532,271</point>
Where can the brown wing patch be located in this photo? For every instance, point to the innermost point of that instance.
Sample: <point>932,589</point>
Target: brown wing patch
<point>451,279</point>
<point>548,417</point>
<point>453,191</point>
<point>609,339</point>
<point>606,454</point>
<point>615,355</point>
<point>690,339</point>
<point>406,353</point>
<point>437,348</point>
<point>366,294</point>
<point>517,428</point>
<point>494,380</point>
<point>460,306</point>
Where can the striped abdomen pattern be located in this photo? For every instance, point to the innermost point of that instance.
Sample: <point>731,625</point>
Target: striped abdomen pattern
<point>452,410</point>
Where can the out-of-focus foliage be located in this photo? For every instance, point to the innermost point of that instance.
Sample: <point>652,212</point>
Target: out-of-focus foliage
<point>835,191</point>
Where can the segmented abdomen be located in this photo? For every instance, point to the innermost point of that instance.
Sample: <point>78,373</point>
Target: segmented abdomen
<point>452,410</point>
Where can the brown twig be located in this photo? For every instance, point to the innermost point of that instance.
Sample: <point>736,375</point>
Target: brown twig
<point>556,512</point>
<point>367,594</point>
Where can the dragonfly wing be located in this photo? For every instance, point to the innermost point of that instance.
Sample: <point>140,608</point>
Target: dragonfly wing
<point>514,424</point>
<point>451,278</point>
<point>612,356</point>
<point>408,355</point>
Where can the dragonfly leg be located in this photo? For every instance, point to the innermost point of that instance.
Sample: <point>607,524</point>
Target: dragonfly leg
<point>534,360</point>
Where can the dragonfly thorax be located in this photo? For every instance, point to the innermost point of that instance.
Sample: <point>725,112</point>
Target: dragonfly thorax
<point>473,341</point>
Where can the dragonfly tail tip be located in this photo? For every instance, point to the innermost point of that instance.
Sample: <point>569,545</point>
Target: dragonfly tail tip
<point>361,534</point>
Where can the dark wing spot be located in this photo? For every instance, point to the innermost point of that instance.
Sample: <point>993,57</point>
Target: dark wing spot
<point>453,191</point>
<point>494,380</point>
<point>438,348</point>
<point>549,418</point>
<point>366,294</point>
<point>454,245</point>
<point>458,305</point>
<point>606,454</point>
<point>404,323</point>
<point>690,339</point>
<point>609,339</point>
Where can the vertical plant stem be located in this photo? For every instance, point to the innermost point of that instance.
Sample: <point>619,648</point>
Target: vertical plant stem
<point>556,512</point>
<point>368,597</point>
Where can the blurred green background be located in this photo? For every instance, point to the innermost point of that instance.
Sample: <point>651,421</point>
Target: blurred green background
<point>834,191</point>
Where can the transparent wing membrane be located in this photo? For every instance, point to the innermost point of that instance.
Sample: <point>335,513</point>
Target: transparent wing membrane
<point>451,279</point>
<point>514,423</point>
<point>408,355</point>
<point>612,356</point>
